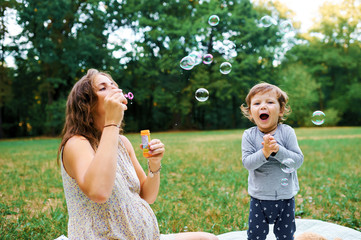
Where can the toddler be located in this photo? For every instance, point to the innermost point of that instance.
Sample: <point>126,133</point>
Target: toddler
<point>271,154</point>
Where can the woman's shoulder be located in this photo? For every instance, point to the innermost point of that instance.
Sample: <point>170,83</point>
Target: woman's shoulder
<point>126,142</point>
<point>75,139</point>
<point>76,151</point>
<point>123,138</point>
<point>75,143</point>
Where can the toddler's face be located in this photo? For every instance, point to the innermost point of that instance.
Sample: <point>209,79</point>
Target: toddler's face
<point>265,111</point>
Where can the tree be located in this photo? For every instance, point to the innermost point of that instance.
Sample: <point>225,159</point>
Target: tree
<point>62,39</point>
<point>6,77</point>
<point>302,92</point>
<point>172,30</point>
<point>331,52</point>
<point>59,41</point>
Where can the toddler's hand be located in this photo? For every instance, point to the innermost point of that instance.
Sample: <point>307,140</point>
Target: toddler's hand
<point>270,145</point>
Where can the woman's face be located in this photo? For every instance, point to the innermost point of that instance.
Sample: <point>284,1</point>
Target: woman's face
<point>102,86</point>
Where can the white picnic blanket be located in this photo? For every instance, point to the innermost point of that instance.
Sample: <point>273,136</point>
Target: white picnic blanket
<point>326,229</point>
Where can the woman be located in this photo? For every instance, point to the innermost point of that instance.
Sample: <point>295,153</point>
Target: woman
<point>107,191</point>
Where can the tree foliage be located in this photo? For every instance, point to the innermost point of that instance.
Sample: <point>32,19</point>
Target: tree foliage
<point>140,43</point>
<point>332,59</point>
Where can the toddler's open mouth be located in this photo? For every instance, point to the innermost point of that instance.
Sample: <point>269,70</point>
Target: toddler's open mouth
<point>263,116</point>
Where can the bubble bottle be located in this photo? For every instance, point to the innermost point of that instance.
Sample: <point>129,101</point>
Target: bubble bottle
<point>145,134</point>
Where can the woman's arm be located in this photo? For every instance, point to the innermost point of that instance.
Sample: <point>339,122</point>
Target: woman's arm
<point>149,185</point>
<point>93,171</point>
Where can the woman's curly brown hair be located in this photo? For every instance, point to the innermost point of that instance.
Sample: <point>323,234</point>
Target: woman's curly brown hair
<point>80,106</point>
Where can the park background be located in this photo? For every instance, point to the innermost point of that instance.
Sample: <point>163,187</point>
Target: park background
<point>140,43</point>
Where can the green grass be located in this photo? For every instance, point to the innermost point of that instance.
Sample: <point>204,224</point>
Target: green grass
<point>203,182</point>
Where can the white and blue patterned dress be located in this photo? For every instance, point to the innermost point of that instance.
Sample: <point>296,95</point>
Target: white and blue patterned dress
<point>124,216</point>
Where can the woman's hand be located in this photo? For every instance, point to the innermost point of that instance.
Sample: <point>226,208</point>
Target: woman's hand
<point>150,187</point>
<point>115,104</point>
<point>156,149</point>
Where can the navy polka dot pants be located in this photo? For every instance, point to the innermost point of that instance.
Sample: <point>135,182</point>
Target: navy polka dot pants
<point>281,213</point>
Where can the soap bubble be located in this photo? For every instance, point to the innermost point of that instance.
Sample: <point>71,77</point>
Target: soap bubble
<point>286,26</point>
<point>318,118</point>
<point>225,68</point>
<point>197,56</point>
<point>129,95</point>
<point>288,165</point>
<point>213,20</point>
<point>208,58</point>
<point>284,182</point>
<point>202,94</point>
<point>267,21</point>
<point>187,63</point>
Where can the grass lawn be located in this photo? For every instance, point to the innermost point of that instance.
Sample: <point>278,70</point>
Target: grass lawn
<point>203,182</point>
